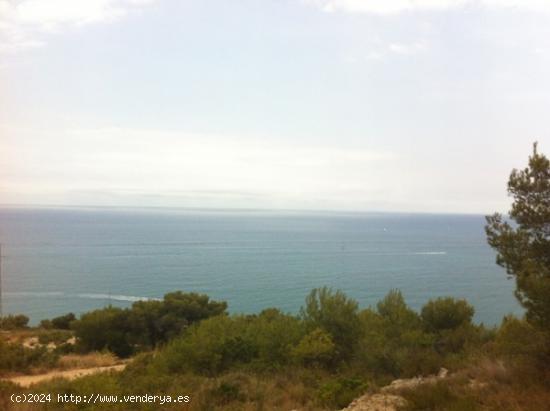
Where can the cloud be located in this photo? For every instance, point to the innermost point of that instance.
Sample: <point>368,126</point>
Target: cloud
<point>379,51</point>
<point>398,6</point>
<point>24,24</point>
<point>155,167</point>
<point>407,49</point>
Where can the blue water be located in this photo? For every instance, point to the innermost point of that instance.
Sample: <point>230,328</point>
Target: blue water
<point>56,261</point>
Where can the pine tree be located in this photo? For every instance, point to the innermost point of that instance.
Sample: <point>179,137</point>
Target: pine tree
<point>522,242</point>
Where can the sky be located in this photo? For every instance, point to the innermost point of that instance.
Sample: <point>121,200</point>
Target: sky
<point>358,105</point>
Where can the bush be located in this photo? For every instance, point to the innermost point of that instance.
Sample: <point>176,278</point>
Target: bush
<point>104,329</point>
<point>63,322</point>
<point>316,348</point>
<point>396,314</point>
<point>210,347</point>
<point>274,333</point>
<point>335,313</point>
<point>13,322</point>
<point>521,343</point>
<point>227,392</point>
<point>145,325</point>
<point>446,314</point>
<point>340,392</point>
<point>15,357</point>
<point>394,342</point>
<point>57,337</point>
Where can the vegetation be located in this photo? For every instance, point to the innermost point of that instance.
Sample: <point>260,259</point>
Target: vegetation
<point>13,322</point>
<point>322,358</point>
<point>523,245</point>
<point>18,358</point>
<point>62,322</point>
<point>328,354</point>
<point>143,326</point>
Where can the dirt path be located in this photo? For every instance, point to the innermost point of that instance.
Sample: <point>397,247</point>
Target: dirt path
<point>28,380</point>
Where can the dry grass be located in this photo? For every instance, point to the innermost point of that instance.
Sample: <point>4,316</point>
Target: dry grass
<point>516,397</point>
<point>240,391</point>
<point>91,360</point>
<point>489,370</point>
<point>488,385</point>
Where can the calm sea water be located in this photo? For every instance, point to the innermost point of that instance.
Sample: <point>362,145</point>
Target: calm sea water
<point>56,261</point>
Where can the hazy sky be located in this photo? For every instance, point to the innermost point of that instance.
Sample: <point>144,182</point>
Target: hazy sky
<point>392,105</point>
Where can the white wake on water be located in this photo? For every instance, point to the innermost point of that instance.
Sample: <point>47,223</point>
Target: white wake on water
<point>114,297</point>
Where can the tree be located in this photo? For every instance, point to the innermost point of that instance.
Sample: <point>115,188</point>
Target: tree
<point>104,328</point>
<point>145,325</point>
<point>12,322</point>
<point>446,313</point>
<point>335,313</point>
<point>63,322</point>
<point>523,244</point>
<point>397,316</point>
<point>316,348</point>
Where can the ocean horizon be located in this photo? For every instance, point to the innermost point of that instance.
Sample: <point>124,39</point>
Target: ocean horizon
<point>59,260</point>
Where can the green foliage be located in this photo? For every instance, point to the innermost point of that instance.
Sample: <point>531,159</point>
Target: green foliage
<point>227,392</point>
<point>13,322</point>
<point>274,333</point>
<point>395,342</point>
<point>104,329</point>
<point>219,343</point>
<point>523,248</point>
<point>210,347</point>
<point>520,342</point>
<point>332,348</point>
<point>396,314</point>
<point>159,321</point>
<point>63,322</point>
<point>335,313</point>
<point>446,314</point>
<point>54,336</point>
<point>145,325</point>
<point>340,392</point>
<point>316,348</point>
<point>15,357</point>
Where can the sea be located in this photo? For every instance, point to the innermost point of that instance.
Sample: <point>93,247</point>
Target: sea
<point>60,260</point>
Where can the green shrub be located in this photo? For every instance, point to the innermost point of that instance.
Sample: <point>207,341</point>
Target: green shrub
<point>63,322</point>
<point>274,333</point>
<point>340,392</point>
<point>65,348</point>
<point>143,326</point>
<point>396,314</point>
<point>520,342</point>
<point>336,314</point>
<point>54,336</point>
<point>15,357</point>
<point>227,392</point>
<point>393,342</point>
<point>210,347</point>
<point>106,328</point>
<point>316,348</point>
<point>13,322</point>
<point>446,314</point>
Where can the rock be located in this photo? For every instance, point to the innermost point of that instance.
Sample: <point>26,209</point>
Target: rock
<point>409,383</point>
<point>401,384</point>
<point>442,373</point>
<point>376,402</point>
<point>387,400</point>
